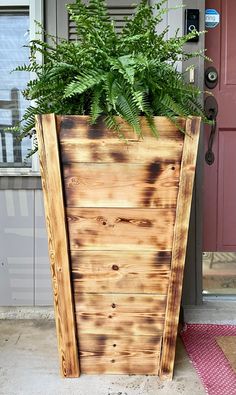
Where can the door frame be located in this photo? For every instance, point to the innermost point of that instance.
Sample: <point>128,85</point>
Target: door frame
<point>192,288</point>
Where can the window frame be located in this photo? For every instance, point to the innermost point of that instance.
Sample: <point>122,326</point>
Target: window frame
<point>35,13</point>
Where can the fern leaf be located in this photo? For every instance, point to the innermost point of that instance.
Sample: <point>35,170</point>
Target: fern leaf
<point>128,110</point>
<point>84,82</point>
<point>96,109</point>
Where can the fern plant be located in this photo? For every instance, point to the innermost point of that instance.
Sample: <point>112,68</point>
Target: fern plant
<point>104,73</point>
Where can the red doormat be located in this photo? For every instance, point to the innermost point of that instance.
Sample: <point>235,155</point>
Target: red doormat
<point>207,357</point>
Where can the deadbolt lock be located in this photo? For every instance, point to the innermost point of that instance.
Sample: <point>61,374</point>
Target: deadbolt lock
<point>211,77</point>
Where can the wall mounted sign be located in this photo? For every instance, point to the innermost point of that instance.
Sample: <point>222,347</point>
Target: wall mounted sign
<point>212,18</point>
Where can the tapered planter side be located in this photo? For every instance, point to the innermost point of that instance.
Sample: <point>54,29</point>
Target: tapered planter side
<point>117,217</point>
<point>57,244</point>
<point>187,173</point>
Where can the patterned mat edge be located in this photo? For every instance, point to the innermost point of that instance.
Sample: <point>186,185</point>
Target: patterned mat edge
<point>201,374</point>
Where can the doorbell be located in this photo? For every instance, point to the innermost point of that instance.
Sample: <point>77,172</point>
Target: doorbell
<point>192,23</point>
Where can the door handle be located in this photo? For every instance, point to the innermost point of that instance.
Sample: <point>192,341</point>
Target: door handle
<point>211,110</point>
<point>209,156</point>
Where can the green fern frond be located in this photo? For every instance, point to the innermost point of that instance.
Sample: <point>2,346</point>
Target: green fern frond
<point>83,83</point>
<point>130,74</point>
<point>137,97</point>
<point>96,109</point>
<point>111,123</point>
<point>128,110</point>
<point>27,68</point>
<point>151,124</point>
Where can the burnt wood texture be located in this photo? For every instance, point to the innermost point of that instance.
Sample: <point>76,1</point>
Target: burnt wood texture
<point>118,245</point>
<point>57,244</point>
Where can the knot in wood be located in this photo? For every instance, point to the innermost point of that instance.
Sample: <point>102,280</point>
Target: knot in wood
<point>102,220</point>
<point>74,181</point>
<point>115,267</point>
<point>52,255</point>
<point>113,305</point>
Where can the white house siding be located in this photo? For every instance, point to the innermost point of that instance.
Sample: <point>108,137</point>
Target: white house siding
<point>24,267</point>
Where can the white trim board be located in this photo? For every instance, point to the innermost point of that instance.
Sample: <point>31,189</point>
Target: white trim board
<point>12,3</point>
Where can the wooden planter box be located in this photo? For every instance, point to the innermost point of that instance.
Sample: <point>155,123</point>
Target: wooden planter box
<point>117,216</point>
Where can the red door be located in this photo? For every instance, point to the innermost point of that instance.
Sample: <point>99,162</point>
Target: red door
<point>220,178</point>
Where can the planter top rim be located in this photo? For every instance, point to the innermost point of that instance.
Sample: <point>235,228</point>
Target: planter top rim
<point>116,116</point>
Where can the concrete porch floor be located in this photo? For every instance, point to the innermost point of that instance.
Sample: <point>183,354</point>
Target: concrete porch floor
<point>29,366</point>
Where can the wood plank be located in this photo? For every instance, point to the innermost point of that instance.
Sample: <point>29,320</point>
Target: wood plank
<point>115,354</point>
<point>118,271</point>
<point>153,185</point>
<point>119,314</point>
<point>82,142</point>
<point>79,126</point>
<point>118,151</point>
<point>179,246</point>
<point>58,245</point>
<point>125,229</point>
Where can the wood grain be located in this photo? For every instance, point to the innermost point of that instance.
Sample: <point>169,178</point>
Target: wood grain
<point>118,271</point>
<point>179,246</point>
<point>153,185</point>
<point>80,126</point>
<point>119,314</point>
<point>58,245</point>
<point>115,354</point>
<point>121,204</point>
<point>114,229</point>
<point>81,142</point>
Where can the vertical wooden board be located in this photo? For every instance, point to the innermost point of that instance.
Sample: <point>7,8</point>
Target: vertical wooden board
<point>119,271</point>
<point>179,246</point>
<point>153,185</point>
<point>58,245</point>
<point>114,229</point>
<point>119,354</point>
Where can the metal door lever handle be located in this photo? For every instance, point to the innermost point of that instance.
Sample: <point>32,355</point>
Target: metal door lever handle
<point>211,110</point>
<point>209,156</point>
